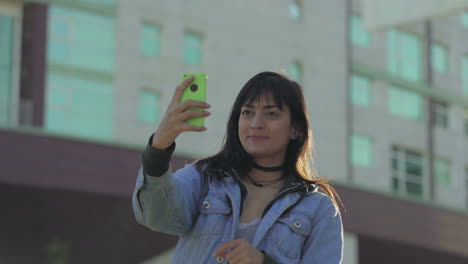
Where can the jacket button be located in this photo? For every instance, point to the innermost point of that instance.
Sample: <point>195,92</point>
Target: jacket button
<point>206,204</point>
<point>297,224</point>
<point>219,259</point>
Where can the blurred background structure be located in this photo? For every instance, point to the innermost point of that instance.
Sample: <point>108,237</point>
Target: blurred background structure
<point>83,84</point>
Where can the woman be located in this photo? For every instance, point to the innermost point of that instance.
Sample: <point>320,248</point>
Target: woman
<point>256,201</point>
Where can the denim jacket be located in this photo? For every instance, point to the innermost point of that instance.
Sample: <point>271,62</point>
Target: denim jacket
<point>298,227</point>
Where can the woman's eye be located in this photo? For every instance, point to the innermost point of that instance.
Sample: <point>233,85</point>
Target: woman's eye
<point>272,114</point>
<point>246,112</point>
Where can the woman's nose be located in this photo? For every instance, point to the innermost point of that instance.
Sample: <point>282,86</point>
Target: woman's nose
<point>257,122</point>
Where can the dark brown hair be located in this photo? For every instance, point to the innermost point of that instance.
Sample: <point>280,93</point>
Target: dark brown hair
<point>299,153</point>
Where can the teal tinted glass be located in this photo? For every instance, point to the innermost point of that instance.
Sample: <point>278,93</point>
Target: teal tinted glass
<point>405,103</point>
<point>148,107</point>
<point>295,10</point>
<point>361,151</point>
<point>6,50</point>
<point>359,35</point>
<point>79,107</point>
<point>465,74</point>
<point>192,48</point>
<point>404,55</point>
<point>295,71</point>
<point>464,19</point>
<point>439,58</point>
<point>442,172</point>
<point>81,39</point>
<point>360,90</point>
<point>149,40</point>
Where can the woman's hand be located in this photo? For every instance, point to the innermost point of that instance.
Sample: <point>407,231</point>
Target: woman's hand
<point>173,123</point>
<point>239,252</point>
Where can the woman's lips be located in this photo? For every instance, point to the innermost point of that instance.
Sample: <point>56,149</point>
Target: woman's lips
<point>257,138</point>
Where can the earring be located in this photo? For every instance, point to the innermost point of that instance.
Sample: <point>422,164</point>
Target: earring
<point>293,135</point>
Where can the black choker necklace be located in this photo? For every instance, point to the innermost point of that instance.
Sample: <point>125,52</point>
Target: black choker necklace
<point>267,169</point>
<point>264,183</point>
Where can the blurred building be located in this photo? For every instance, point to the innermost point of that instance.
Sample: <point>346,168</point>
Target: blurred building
<point>83,83</point>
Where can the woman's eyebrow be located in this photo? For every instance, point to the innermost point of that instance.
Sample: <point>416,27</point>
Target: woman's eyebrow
<point>265,107</point>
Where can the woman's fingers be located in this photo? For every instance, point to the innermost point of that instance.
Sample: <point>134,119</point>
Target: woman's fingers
<point>193,113</point>
<point>191,103</point>
<point>180,89</point>
<point>222,250</point>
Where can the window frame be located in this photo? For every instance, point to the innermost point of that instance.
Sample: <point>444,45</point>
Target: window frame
<point>401,175</point>
<point>15,11</point>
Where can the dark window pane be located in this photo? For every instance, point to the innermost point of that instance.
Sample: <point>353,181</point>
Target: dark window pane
<point>395,184</point>
<point>414,188</point>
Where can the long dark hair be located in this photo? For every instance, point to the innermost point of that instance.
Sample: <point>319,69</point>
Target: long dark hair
<point>299,153</point>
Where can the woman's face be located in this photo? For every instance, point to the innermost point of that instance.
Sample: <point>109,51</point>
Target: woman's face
<point>264,130</point>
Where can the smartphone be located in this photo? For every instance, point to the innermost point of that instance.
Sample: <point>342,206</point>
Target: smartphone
<point>196,90</point>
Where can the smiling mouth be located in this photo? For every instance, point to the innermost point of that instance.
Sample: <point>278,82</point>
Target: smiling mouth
<point>257,138</point>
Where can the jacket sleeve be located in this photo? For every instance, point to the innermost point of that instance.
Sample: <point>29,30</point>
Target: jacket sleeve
<point>168,203</point>
<point>325,243</point>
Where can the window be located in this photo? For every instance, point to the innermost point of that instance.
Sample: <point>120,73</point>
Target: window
<point>148,107</point>
<point>407,172</point>
<point>295,9</point>
<point>439,57</point>
<point>81,39</point>
<point>404,55</point>
<point>149,40</point>
<point>362,149</point>
<point>295,71</point>
<point>79,96</point>
<point>464,19</point>
<point>359,36</point>
<point>465,74</point>
<point>466,186</point>
<point>79,107</point>
<point>466,121</point>
<point>440,114</point>
<point>442,172</point>
<point>6,61</point>
<point>192,48</point>
<point>360,90</point>
<point>405,103</point>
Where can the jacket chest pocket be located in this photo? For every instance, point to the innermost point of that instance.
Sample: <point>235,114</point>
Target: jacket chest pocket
<point>289,233</point>
<point>214,214</point>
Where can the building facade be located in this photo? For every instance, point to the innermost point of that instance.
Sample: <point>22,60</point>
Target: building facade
<point>83,84</point>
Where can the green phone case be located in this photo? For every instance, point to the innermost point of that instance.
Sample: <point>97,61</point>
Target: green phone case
<point>196,90</point>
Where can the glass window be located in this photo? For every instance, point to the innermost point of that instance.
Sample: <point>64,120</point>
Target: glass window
<point>149,42</point>
<point>6,51</point>
<point>192,48</point>
<point>465,115</point>
<point>295,71</point>
<point>441,114</point>
<point>439,57</point>
<point>465,74</point>
<point>464,19</point>
<point>442,172</point>
<point>360,90</point>
<point>404,55</point>
<point>295,9</point>
<point>405,103</point>
<point>407,172</point>
<point>81,39</point>
<point>79,107</point>
<point>466,186</point>
<point>359,35</point>
<point>148,107</point>
<point>362,151</point>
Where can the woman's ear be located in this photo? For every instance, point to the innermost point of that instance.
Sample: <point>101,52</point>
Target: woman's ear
<point>293,135</point>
